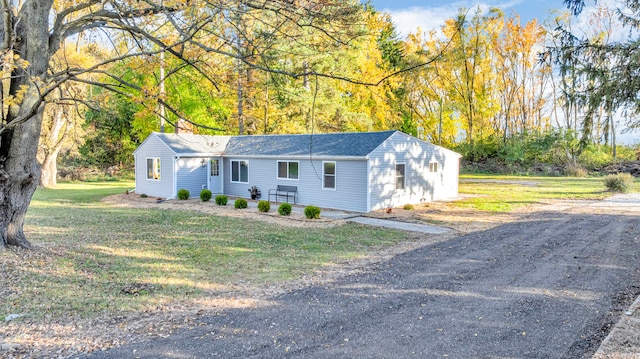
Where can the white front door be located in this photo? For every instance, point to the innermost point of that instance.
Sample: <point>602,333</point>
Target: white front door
<point>215,175</point>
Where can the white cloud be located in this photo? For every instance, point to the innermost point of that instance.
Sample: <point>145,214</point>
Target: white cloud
<point>430,18</point>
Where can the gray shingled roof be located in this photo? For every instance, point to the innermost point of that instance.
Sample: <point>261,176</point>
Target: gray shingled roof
<point>351,144</point>
<point>183,144</point>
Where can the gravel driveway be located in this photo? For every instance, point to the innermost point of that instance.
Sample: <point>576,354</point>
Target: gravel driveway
<point>550,285</point>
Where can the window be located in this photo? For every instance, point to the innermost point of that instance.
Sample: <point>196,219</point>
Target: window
<point>215,167</point>
<point>153,169</point>
<point>329,175</point>
<point>400,176</point>
<point>433,166</point>
<point>287,170</point>
<point>240,171</point>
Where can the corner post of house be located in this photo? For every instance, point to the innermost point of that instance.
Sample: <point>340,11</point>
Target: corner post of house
<point>175,176</point>
<point>369,181</point>
<point>222,176</point>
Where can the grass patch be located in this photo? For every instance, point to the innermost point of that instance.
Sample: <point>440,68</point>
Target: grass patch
<point>497,193</point>
<point>90,255</point>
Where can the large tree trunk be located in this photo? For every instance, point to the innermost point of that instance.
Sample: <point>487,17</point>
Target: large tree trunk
<point>20,131</point>
<point>19,176</point>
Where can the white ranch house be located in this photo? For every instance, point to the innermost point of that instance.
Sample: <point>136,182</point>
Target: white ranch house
<point>359,172</point>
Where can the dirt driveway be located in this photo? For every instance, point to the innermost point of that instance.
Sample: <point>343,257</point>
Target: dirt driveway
<point>550,284</point>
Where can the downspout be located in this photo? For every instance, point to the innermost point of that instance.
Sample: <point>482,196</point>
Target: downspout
<point>209,174</point>
<point>368,186</point>
<point>175,177</point>
<point>222,177</point>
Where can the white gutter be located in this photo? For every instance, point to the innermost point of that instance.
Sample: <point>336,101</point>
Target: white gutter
<point>298,157</point>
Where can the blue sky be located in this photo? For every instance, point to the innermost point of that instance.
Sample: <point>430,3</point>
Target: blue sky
<point>409,14</point>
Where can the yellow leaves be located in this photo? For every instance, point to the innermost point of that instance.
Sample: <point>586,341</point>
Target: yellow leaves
<point>19,62</point>
<point>15,99</point>
<point>10,62</point>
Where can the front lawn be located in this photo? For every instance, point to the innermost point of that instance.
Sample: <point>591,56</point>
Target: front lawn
<point>92,258</point>
<point>498,193</point>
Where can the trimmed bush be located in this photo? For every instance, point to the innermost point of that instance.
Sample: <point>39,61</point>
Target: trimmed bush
<point>312,212</point>
<point>144,195</point>
<point>408,207</point>
<point>221,200</point>
<point>264,206</point>
<point>284,209</point>
<point>620,182</point>
<point>572,170</point>
<point>183,194</point>
<point>240,203</point>
<point>205,195</point>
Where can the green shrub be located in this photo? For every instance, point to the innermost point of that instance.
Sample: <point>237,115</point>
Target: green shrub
<point>240,203</point>
<point>144,195</point>
<point>312,212</point>
<point>183,194</point>
<point>221,200</point>
<point>620,182</point>
<point>205,195</point>
<point>284,209</point>
<point>572,170</point>
<point>264,206</point>
<point>408,207</point>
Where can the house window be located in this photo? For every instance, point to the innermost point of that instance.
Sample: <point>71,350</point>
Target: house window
<point>287,170</point>
<point>215,167</point>
<point>400,176</point>
<point>240,171</point>
<point>433,166</point>
<point>153,169</point>
<point>329,175</point>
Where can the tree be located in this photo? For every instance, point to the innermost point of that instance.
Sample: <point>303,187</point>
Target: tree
<point>611,68</point>
<point>62,113</point>
<point>32,31</point>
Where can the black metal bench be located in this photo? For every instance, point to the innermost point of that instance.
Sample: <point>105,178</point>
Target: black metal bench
<point>284,191</point>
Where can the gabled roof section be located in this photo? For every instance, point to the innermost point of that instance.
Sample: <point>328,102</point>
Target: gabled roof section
<point>189,144</point>
<point>349,144</point>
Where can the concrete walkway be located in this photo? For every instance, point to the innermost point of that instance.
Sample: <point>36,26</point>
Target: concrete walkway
<point>405,226</point>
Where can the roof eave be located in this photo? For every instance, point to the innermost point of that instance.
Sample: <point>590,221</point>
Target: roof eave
<point>299,157</point>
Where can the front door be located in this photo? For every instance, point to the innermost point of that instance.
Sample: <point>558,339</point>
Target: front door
<point>215,175</point>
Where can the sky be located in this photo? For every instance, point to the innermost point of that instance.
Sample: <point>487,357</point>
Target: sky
<point>408,15</point>
<point>429,14</point>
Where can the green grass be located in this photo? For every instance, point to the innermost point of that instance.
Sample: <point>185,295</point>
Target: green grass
<point>88,251</point>
<point>498,193</point>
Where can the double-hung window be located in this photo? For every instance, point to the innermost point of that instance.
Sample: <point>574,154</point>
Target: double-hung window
<point>433,166</point>
<point>329,175</point>
<point>240,171</point>
<point>400,167</point>
<point>288,170</point>
<point>153,169</point>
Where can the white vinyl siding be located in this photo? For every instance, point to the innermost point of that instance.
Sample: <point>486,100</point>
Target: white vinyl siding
<point>154,148</point>
<point>329,175</point>
<point>288,170</point>
<point>240,171</point>
<point>350,193</point>
<point>191,175</point>
<point>420,184</point>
